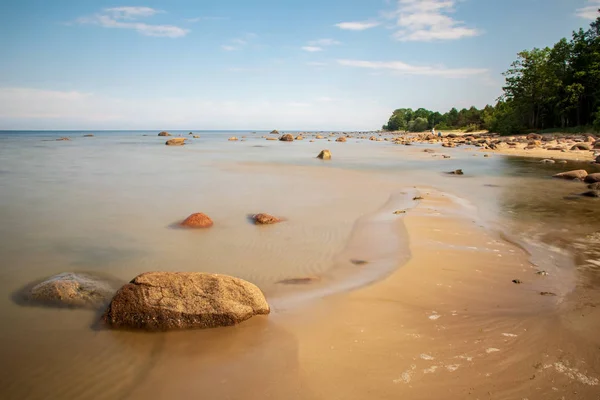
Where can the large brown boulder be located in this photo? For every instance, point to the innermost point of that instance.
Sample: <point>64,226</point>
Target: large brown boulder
<point>265,219</point>
<point>341,139</point>
<point>287,138</point>
<point>581,146</point>
<point>70,289</point>
<point>197,220</point>
<point>324,155</point>
<point>571,175</point>
<point>175,142</point>
<point>593,178</point>
<point>163,133</point>
<point>159,301</point>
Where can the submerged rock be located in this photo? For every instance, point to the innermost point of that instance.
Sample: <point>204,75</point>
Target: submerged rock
<point>265,219</point>
<point>324,155</point>
<point>197,220</point>
<point>159,301</point>
<point>456,172</point>
<point>175,142</point>
<point>70,289</point>
<point>299,281</point>
<point>592,178</point>
<point>547,161</point>
<point>591,193</point>
<point>576,174</point>
<point>594,186</point>
<point>89,135</point>
<point>163,133</point>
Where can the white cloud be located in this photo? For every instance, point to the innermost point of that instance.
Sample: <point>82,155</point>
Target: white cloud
<point>131,12</point>
<point>312,49</point>
<point>357,26</point>
<point>428,20</point>
<point>228,48</point>
<point>324,42</point>
<point>589,12</point>
<point>407,69</point>
<point>124,18</point>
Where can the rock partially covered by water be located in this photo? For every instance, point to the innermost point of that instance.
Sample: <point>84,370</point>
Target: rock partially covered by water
<point>576,174</point>
<point>341,139</point>
<point>197,220</point>
<point>274,132</point>
<point>324,155</point>
<point>288,137</point>
<point>593,178</point>
<point>70,289</point>
<point>160,301</point>
<point>265,219</point>
<point>175,142</point>
<point>89,135</point>
<point>163,133</point>
<point>591,193</point>
<point>594,186</point>
<point>456,172</point>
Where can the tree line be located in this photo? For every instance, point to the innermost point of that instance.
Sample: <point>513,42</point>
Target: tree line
<point>555,87</point>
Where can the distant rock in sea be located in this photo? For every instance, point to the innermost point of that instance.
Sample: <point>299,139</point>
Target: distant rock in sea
<point>175,142</point>
<point>160,301</point>
<point>265,219</point>
<point>324,155</point>
<point>164,133</point>
<point>287,138</point>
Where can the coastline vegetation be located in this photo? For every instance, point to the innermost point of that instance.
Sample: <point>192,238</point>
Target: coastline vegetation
<point>553,89</point>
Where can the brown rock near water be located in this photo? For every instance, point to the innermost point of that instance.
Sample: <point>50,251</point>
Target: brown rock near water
<point>287,137</point>
<point>571,175</point>
<point>163,133</point>
<point>274,132</point>
<point>591,193</point>
<point>324,155</point>
<point>70,289</point>
<point>233,139</point>
<point>197,220</point>
<point>594,186</point>
<point>597,160</point>
<point>89,135</point>
<point>341,139</point>
<point>196,136</point>
<point>581,146</point>
<point>299,281</point>
<point>265,219</point>
<point>62,139</point>
<point>592,178</point>
<point>319,137</point>
<point>160,301</point>
<point>175,142</point>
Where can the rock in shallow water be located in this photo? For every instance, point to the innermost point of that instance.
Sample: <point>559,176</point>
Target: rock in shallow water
<point>175,142</point>
<point>265,219</point>
<point>576,174</point>
<point>159,301</point>
<point>324,155</point>
<point>197,220</point>
<point>70,289</point>
<point>593,178</point>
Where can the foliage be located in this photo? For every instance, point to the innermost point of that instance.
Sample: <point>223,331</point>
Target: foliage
<point>554,87</point>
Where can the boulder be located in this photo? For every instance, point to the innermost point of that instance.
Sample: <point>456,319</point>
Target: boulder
<point>271,138</point>
<point>287,137</point>
<point>197,220</point>
<point>597,160</point>
<point>265,219</point>
<point>341,139</point>
<point>299,137</point>
<point>548,161</point>
<point>319,137</point>
<point>232,139</point>
<point>324,155</point>
<point>592,178</point>
<point>163,133</point>
<point>89,135</point>
<point>175,142</point>
<point>456,172</point>
<point>571,175</point>
<point>70,289</point>
<point>160,301</point>
<point>274,132</point>
<point>581,146</point>
<point>196,136</point>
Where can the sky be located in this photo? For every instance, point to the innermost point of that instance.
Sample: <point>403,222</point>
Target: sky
<point>261,64</point>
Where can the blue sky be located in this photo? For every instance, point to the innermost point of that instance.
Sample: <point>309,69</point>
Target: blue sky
<point>261,64</point>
